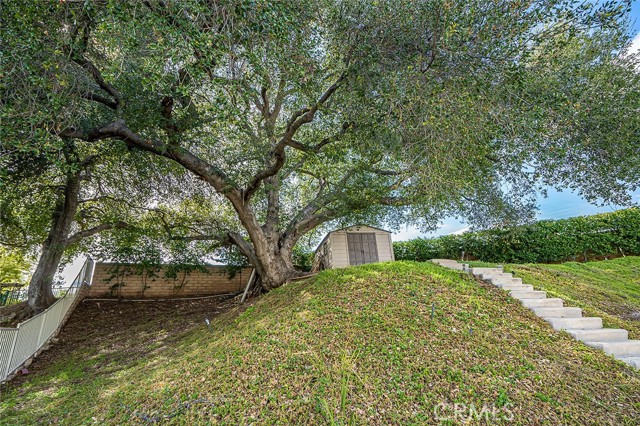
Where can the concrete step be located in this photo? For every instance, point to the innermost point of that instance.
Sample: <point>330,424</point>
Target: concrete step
<point>516,287</point>
<point>553,302</point>
<point>448,263</point>
<point>558,312</point>
<point>528,294</point>
<point>458,267</point>
<point>602,335</point>
<point>625,348</point>
<point>443,261</point>
<point>495,275</point>
<point>505,280</point>
<point>588,323</point>
<point>633,361</point>
<point>479,271</point>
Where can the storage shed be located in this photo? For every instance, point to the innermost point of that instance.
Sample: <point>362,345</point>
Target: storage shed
<point>355,245</point>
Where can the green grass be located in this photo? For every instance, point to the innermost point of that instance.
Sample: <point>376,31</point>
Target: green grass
<point>390,343</point>
<point>609,289</point>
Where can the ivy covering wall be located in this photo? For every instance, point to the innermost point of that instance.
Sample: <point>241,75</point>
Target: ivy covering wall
<point>579,238</point>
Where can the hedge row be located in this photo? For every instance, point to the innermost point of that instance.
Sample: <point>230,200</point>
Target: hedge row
<point>579,238</point>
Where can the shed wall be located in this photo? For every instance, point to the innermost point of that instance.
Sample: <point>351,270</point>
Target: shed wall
<point>385,249</point>
<point>339,249</point>
<point>337,244</point>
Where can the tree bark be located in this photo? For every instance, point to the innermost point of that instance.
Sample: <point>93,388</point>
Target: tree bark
<point>273,262</point>
<point>269,250</point>
<point>40,294</point>
<point>275,266</point>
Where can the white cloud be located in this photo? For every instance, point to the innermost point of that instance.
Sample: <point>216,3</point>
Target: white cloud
<point>408,233</point>
<point>461,231</point>
<point>447,227</point>
<point>635,44</point>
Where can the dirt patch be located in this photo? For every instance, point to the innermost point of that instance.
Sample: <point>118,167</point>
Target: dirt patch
<point>635,315</point>
<point>10,315</point>
<point>125,329</point>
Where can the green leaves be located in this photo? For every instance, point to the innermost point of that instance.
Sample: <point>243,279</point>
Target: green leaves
<point>412,110</point>
<point>14,267</point>
<point>546,241</point>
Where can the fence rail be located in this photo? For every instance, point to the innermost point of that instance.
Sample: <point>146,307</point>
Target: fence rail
<point>19,344</point>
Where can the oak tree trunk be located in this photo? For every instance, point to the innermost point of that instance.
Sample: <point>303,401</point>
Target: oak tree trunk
<point>40,294</point>
<point>274,266</point>
<point>269,251</point>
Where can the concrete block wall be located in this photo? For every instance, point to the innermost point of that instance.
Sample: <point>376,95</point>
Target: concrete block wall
<point>129,282</point>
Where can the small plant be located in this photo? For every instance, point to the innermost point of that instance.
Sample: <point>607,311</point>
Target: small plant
<point>502,400</point>
<point>118,273</point>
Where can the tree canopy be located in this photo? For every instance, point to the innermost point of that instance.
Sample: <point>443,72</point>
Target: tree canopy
<point>293,115</point>
<point>14,267</point>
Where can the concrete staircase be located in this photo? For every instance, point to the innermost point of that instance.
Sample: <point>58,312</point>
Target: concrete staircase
<point>589,330</point>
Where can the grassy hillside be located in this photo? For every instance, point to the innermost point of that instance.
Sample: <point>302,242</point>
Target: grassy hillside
<point>609,289</point>
<point>352,346</point>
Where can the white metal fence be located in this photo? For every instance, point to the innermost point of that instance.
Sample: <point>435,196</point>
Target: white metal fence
<point>19,344</point>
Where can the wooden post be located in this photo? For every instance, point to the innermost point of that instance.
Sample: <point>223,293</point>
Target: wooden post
<point>246,290</point>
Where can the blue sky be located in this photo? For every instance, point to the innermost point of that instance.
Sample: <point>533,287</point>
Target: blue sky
<point>635,15</point>
<point>635,25</point>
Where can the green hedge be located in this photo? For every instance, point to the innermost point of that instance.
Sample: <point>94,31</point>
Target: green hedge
<point>546,241</point>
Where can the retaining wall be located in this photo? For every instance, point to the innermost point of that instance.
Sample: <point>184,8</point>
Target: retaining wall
<point>133,282</point>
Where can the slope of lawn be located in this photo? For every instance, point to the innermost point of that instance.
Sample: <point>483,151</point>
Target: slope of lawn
<point>390,343</point>
<point>609,288</point>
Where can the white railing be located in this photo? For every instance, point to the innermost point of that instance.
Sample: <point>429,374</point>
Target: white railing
<point>19,344</point>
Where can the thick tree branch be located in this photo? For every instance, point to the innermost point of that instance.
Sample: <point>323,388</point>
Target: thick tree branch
<point>96,229</point>
<point>78,56</point>
<point>316,214</point>
<point>119,130</point>
<point>326,141</point>
<point>273,205</point>
<point>245,247</point>
<point>278,155</point>
<point>277,104</point>
<point>310,216</point>
<point>92,135</point>
<point>100,99</point>
<point>89,160</point>
<point>266,108</point>
<point>167,114</point>
<point>297,230</point>
<point>395,201</point>
<point>382,172</point>
<point>306,115</point>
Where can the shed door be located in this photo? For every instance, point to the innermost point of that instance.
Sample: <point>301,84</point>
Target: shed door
<point>362,248</point>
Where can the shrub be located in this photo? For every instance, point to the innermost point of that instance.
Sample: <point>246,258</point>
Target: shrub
<point>579,238</point>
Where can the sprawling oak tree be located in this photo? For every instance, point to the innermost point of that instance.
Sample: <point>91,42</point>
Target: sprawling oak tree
<point>53,200</point>
<point>301,113</point>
